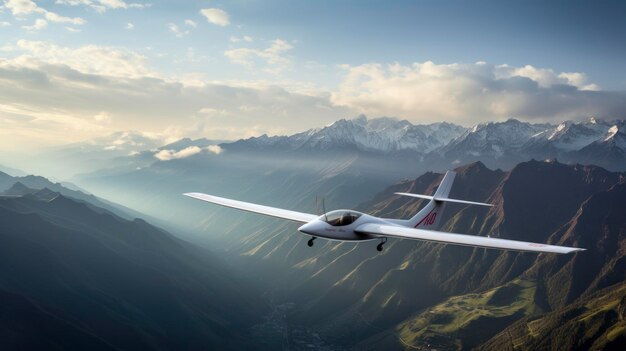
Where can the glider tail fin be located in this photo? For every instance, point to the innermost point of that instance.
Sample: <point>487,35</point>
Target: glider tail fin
<point>429,217</point>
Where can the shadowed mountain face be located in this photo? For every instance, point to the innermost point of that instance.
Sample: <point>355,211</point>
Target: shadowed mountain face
<point>73,276</point>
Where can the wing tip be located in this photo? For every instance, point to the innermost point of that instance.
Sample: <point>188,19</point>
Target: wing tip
<point>192,194</point>
<point>574,250</point>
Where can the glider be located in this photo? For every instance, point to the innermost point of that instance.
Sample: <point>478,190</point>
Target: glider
<point>349,225</point>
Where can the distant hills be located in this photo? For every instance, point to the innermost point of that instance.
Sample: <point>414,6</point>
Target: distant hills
<point>28,184</point>
<point>77,276</point>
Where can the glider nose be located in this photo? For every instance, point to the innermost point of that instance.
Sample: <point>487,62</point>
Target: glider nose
<point>311,228</point>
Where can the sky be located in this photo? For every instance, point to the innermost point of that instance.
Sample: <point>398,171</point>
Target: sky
<point>74,70</point>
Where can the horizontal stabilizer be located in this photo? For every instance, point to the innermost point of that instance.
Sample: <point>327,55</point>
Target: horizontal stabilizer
<point>443,199</point>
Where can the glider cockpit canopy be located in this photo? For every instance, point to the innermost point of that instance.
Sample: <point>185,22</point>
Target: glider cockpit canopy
<point>340,217</point>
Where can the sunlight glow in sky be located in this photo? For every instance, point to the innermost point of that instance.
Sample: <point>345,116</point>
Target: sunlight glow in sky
<point>77,69</point>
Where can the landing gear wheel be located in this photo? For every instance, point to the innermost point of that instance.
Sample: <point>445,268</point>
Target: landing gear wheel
<point>310,242</point>
<point>379,247</point>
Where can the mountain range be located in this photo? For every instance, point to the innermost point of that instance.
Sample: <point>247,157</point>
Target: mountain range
<point>436,146</point>
<point>444,145</point>
<point>77,276</point>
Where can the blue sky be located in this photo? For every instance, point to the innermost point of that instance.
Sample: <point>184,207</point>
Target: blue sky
<point>228,69</point>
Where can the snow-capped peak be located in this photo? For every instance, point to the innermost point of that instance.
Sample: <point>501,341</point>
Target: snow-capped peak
<point>384,134</point>
<point>611,133</point>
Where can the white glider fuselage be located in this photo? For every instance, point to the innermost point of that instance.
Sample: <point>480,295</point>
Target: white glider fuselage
<point>338,230</point>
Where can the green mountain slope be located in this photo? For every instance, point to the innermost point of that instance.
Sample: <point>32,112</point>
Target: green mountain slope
<point>597,322</point>
<point>461,322</point>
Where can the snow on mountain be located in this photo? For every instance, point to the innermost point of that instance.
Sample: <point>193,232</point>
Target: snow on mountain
<point>442,145</point>
<point>572,136</point>
<point>609,151</point>
<point>381,135</point>
<point>493,139</point>
<point>616,135</point>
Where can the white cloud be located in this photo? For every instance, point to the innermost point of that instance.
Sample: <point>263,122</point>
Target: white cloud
<point>191,23</point>
<point>166,155</point>
<point>53,17</point>
<point>273,56</point>
<point>5,24</point>
<point>216,149</point>
<point>176,30</point>
<point>51,94</point>
<point>22,7</point>
<point>245,38</point>
<point>130,26</point>
<point>470,93</point>
<point>39,24</point>
<point>216,16</point>
<point>102,5</point>
<point>89,59</point>
<point>103,117</point>
<point>27,7</point>
<point>114,4</point>
<point>73,30</point>
<point>546,77</point>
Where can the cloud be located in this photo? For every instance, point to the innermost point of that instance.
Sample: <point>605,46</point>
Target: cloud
<point>39,24</point>
<point>166,155</point>
<point>245,38</point>
<point>22,7</point>
<point>216,16</point>
<point>27,7</point>
<point>191,23</point>
<point>176,30</point>
<point>216,149</point>
<point>545,78</point>
<point>471,93</point>
<point>53,17</point>
<point>102,5</point>
<point>5,24</point>
<point>103,117</point>
<point>130,26</point>
<point>51,94</point>
<point>273,56</point>
<point>89,59</point>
